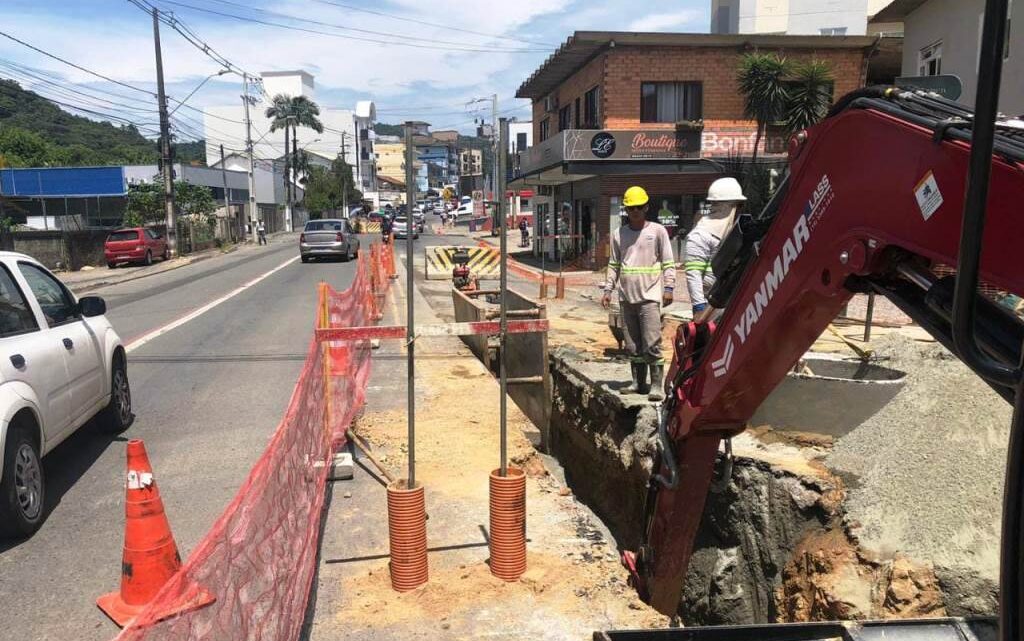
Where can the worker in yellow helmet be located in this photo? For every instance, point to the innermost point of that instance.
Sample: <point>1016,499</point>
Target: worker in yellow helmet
<point>643,272</point>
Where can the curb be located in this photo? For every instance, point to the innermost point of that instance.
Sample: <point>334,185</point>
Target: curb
<point>90,286</point>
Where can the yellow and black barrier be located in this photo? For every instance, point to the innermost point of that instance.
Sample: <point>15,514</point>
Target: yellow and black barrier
<point>484,262</point>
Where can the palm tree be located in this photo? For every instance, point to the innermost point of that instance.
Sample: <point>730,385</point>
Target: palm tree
<point>304,113</point>
<point>280,110</point>
<point>810,95</point>
<point>762,81</point>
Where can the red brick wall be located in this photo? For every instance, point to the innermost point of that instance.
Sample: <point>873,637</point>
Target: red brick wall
<point>628,67</point>
<point>620,72</point>
<point>574,87</point>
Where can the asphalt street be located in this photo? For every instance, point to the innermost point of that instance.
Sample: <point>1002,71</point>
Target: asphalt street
<point>207,394</point>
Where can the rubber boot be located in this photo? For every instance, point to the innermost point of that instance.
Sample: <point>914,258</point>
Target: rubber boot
<point>635,387</point>
<point>657,383</point>
<point>644,386</point>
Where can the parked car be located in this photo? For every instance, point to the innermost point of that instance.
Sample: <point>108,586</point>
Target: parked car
<point>62,365</point>
<point>401,228</point>
<point>134,245</point>
<point>420,222</point>
<point>330,237</point>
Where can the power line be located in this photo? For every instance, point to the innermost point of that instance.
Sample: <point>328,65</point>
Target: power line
<point>79,67</point>
<point>432,24</point>
<point>356,29</point>
<point>67,93</point>
<point>398,43</point>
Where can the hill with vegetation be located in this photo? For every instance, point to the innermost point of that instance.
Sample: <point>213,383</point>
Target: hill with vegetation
<point>35,132</point>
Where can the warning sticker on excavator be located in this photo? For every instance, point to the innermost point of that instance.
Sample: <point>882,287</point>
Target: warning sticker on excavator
<point>929,198</point>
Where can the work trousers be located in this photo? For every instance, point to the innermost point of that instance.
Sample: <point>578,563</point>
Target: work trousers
<point>643,331</point>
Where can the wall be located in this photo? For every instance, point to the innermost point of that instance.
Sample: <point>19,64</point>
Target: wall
<point>527,355</point>
<point>593,73</point>
<point>957,24</point>
<point>628,67</point>
<point>806,17</point>
<point>72,249</point>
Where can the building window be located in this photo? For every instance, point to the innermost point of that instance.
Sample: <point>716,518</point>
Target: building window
<point>545,129</point>
<point>833,31</point>
<point>671,101</point>
<point>576,115</point>
<point>592,109</point>
<point>929,60</point>
<point>521,141</point>
<point>564,118</point>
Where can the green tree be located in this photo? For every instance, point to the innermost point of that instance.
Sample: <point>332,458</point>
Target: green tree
<point>195,203</point>
<point>21,148</point>
<point>809,95</point>
<point>290,113</point>
<point>328,189</point>
<point>762,81</point>
<point>144,204</point>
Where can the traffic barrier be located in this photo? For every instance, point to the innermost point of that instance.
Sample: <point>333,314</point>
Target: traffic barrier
<point>259,558</point>
<point>484,261</point>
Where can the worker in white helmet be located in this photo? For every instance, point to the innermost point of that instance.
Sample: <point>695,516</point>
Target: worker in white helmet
<point>725,196</point>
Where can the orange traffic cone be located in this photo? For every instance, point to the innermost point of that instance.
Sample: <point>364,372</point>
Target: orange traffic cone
<point>150,554</point>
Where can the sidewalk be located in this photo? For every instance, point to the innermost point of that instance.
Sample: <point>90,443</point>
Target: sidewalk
<point>574,584</point>
<point>91,278</point>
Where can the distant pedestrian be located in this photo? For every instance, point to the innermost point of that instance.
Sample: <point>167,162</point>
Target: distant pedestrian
<point>261,233</point>
<point>524,229</point>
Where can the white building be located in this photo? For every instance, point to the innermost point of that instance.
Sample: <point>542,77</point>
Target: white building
<point>798,17</point>
<point>520,135</point>
<point>348,129</point>
<point>943,37</point>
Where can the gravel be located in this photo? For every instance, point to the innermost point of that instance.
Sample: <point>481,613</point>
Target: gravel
<point>926,472</point>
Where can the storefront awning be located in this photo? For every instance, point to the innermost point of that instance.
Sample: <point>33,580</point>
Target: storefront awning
<point>638,151</point>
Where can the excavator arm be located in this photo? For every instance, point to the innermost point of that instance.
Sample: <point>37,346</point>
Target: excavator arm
<point>873,202</point>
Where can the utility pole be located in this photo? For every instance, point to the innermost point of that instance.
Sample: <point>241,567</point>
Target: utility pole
<point>410,199</point>
<point>165,142</point>
<point>494,139</point>
<point>344,189</point>
<point>224,180</point>
<point>252,162</point>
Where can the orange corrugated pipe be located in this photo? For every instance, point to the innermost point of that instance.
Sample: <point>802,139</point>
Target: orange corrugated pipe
<point>407,535</point>
<point>508,523</point>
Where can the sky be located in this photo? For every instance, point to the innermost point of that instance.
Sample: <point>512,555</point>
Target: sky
<point>356,49</point>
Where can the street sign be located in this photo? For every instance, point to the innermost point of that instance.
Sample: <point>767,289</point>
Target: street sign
<point>947,85</point>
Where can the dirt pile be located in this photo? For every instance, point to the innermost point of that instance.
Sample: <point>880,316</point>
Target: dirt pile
<point>926,474</point>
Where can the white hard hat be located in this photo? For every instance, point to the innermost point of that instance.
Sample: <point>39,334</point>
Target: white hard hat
<point>725,189</point>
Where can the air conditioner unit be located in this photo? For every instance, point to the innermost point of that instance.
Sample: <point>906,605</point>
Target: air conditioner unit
<point>551,104</point>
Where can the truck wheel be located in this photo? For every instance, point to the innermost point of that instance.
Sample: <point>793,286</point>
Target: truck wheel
<point>111,265</point>
<point>117,416</point>
<point>149,257</point>
<point>21,487</point>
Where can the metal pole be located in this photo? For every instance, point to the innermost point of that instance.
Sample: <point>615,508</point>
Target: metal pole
<point>868,316</point>
<point>344,190</point>
<point>165,142</point>
<point>224,179</point>
<point>410,198</point>
<point>494,145</point>
<point>252,160</point>
<point>503,287</point>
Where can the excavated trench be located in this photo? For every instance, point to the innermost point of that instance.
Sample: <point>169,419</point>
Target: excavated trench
<point>775,542</point>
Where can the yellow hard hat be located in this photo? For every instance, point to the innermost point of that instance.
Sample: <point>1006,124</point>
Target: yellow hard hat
<point>635,197</point>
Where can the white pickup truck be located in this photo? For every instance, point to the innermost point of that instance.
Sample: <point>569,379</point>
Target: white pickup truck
<point>61,364</point>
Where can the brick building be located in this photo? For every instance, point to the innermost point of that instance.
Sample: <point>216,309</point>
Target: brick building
<point>612,110</point>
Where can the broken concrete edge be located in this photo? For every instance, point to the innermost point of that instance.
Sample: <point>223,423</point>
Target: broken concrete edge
<point>774,544</point>
<point>342,467</point>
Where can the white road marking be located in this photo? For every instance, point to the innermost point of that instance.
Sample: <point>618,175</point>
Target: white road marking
<point>196,313</point>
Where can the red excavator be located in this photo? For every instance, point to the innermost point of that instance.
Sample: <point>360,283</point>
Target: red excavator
<point>890,193</point>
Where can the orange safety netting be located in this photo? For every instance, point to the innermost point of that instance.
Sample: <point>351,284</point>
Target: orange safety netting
<point>259,558</point>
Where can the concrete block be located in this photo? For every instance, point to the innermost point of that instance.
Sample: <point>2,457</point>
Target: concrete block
<point>341,467</point>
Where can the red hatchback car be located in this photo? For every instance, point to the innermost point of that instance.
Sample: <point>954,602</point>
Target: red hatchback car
<point>136,245</point>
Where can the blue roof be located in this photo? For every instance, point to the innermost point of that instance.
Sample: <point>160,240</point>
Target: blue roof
<point>63,181</point>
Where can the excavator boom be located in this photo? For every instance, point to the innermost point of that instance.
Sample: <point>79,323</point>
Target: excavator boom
<point>874,202</point>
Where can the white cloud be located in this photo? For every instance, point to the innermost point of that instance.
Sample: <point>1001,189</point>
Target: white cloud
<point>673,21</point>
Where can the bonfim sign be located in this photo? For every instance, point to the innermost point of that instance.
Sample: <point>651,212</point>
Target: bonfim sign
<point>602,144</point>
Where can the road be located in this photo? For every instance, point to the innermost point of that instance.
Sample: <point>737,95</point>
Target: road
<point>207,395</point>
